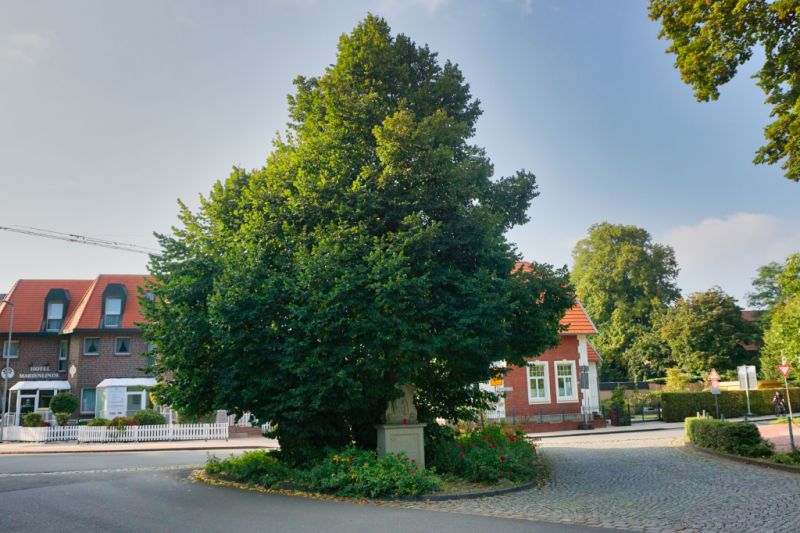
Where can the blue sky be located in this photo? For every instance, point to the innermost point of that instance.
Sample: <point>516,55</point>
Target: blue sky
<point>112,111</point>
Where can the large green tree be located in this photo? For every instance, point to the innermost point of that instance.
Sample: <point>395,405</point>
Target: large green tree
<point>711,39</point>
<point>368,252</point>
<point>623,279</point>
<point>782,334</point>
<point>705,331</point>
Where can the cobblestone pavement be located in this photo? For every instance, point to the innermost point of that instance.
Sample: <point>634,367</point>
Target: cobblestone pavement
<point>647,482</point>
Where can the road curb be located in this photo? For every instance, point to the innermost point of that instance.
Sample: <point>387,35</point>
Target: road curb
<point>137,450</point>
<point>591,432</point>
<point>739,459</point>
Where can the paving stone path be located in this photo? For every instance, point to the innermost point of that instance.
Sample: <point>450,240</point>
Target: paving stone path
<point>646,482</point>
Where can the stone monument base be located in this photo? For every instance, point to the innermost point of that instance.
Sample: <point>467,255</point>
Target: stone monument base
<point>402,438</point>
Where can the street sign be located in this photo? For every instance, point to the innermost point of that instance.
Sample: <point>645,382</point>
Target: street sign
<point>7,373</point>
<point>784,370</point>
<point>713,375</point>
<point>716,391</point>
<point>504,389</point>
<point>747,377</point>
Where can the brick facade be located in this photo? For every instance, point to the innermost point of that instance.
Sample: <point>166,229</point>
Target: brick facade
<point>35,353</point>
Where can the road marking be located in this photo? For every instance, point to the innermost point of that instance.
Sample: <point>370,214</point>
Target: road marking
<point>103,470</point>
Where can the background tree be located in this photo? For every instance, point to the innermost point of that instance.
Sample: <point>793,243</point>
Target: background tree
<point>712,39</point>
<point>706,330</point>
<point>782,334</point>
<point>766,292</point>
<point>648,356</point>
<point>623,280</point>
<point>368,252</point>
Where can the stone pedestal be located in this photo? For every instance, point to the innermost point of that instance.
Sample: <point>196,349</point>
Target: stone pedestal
<point>405,438</point>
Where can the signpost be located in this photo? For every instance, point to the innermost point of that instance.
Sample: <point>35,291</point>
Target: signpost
<point>747,381</point>
<point>784,370</point>
<point>713,377</point>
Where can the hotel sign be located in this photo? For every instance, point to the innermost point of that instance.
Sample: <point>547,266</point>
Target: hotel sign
<point>39,372</point>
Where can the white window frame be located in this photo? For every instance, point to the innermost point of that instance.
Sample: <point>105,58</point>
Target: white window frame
<point>531,399</point>
<point>130,347</point>
<point>573,376</point>
<point>107,314</point>
<point>7,350</point>
<point>93,354</point>
<point>80,408</point>
<point>51,316</point>
<point>65,354</point>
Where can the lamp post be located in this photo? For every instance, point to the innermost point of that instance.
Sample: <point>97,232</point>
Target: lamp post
<point>6,373</point>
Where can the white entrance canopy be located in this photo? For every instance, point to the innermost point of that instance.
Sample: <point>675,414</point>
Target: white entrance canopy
<point>41,385</point>
<point>126,382</point>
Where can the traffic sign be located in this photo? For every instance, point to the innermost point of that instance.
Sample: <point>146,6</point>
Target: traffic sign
<point>496,382</point>
<point>7,373</point>
<point>713,375</point>
<point>784,370</point>
<point>716,391</point>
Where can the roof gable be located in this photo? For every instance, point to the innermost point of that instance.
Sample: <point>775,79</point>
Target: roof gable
<point>28,296</point>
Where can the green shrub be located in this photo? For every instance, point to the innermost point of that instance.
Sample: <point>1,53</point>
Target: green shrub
<point>792,458</point>
<point>149,417</point>
<point>360,473</point>
<point>260,467</point>
<point>676,406</point>
<point>99,421</point>
<point>123,421</point>
<point>62,418</point>
<point>489,455</point>
<point>676,380</point>
<point>64,402</point>
<point>32,420</point>
<point>738,438</point>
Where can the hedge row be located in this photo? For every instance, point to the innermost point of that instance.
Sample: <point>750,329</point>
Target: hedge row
<point>738,438</point>
<point>676,406</point>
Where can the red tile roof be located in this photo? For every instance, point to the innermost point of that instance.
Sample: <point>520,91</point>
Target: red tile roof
<point>576,319</point>
<point>593,355</point>
<point>28,296</point>
<point>83,310</point>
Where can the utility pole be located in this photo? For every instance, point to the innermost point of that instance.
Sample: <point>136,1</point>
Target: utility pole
<point>6,371</point>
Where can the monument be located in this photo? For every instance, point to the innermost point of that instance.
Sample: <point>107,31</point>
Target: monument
<point>401,432</point>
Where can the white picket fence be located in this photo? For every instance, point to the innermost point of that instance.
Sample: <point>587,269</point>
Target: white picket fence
<point>113,434</point>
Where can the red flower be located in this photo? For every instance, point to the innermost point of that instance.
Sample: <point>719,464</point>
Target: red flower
<point>512,438</point>
<point>405,421</point>
<point>461,455</point>
<point>501,473</point>
<point>510,474</point>
<point>485,437</point>
<point>491,445</point>
<point>413,461</point>
<point>412,471</point>
<point>502,457</point>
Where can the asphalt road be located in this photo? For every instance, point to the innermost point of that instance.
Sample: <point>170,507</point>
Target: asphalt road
<point>149,491</point>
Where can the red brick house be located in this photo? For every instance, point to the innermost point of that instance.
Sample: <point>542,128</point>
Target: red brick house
<point>79,336</point>
<point>560,388</point>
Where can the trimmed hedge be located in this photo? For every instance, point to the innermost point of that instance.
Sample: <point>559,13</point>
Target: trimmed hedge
<point>677,406</point>
<point>738,438</point>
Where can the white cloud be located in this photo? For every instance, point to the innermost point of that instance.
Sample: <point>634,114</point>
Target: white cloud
<point>23,46</point>
<point>728,251</point>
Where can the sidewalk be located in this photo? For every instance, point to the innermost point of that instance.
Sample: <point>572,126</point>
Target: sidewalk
<point>8,448</point>
<point>633,428</point>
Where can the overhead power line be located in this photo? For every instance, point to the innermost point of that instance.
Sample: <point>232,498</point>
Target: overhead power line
<point>81,239</point>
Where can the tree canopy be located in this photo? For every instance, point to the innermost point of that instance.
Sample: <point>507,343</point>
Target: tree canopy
<point>782,334</point>
<point>706,330</point>
<point>711,40</point>
<point>622,279</point>
<point>368,252</point>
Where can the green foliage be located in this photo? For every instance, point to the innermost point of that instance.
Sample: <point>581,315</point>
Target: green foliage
<point>149,417</point>
<point>738,438</point>
<point>782,335</point>
<point>32,420</point>
<point>677,380</point>
<point>121,422</point>
<point>766,292</point>
<point>488,455</point>
<point>792,458</point>
<point>647,356</point>
<point>619,404</point>
<point>99,421</point>
<point>62,419</point>
<point>64,402</point>
<point>623,280</point>
<point>259,467</point>
<point>675,406</point>
<point>368,252</point>
<point>712,39</point>
<point>706,330</point>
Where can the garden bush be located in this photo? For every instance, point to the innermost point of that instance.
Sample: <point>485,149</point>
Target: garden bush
<point>99,421</point>
<point>123,421</point>
<point>149,417</point>
<point>64,402</point>
<point>488,455</point>
<point>791,458</point>
<point>33,420</point>
<point>738,438</point>
<point>62,418</point>
<point>348,472</point>
<point>676,406</point>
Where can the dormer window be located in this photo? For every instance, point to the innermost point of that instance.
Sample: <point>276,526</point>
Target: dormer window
<point>55,316</point>
<point>55,309</point>
<point>113,316</point>
<point>114,297</point>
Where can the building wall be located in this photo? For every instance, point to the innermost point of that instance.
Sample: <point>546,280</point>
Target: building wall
<point>39,351</point>
<point>516,402</point>
<point>92,369</point>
